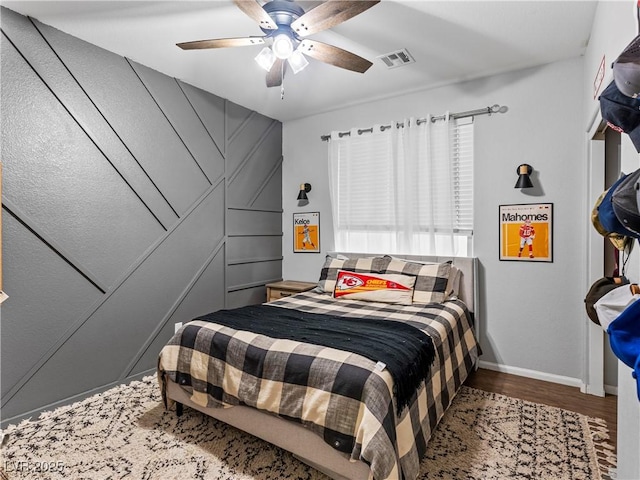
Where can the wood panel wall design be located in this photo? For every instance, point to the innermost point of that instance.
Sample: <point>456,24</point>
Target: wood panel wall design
<point>131,201</point>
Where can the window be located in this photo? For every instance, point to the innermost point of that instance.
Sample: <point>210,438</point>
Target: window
<point>406,189</point>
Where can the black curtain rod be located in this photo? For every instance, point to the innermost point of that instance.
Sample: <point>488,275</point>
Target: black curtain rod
<point>480,111</point>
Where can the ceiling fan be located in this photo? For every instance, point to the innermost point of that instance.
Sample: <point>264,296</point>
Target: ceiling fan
<point>286,25</point>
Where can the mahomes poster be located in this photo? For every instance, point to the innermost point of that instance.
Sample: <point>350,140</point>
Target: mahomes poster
<point>526,232</point>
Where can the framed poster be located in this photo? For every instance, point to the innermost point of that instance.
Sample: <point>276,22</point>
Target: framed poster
<point>306,232</point>
<point>526,232</point>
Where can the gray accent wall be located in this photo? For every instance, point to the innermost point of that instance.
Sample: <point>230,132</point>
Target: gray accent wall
<point>131,201</point>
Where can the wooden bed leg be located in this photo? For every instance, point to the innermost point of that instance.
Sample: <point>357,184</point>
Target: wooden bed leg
<point>178,409</point>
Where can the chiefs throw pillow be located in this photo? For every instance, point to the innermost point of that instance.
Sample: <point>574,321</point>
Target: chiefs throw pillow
<point>374,287</point>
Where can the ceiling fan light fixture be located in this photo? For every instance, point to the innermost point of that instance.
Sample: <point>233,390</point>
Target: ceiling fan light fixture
<point>282,46</point>
<point>285,24</point>
<point>266,58</point>
<point>297,61</point>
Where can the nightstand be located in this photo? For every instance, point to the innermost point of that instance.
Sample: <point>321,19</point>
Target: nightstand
<point>286,288</point>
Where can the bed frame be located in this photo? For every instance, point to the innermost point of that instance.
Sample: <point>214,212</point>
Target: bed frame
<point>301,442</point>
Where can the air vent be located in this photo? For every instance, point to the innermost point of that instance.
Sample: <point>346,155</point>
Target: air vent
<point>397,59</point>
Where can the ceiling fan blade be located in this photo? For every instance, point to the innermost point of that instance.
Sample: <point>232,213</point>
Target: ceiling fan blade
<point>221,43</point>
<point>274,77</point>
<point>329,14</point>
<point>253,9</point>
<point>334,56</point>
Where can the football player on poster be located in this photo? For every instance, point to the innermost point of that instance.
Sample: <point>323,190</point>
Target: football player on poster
<point>306,237</point>
<point>527,234</point>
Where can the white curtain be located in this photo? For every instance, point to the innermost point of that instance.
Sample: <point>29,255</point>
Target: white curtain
<point>394,189</point>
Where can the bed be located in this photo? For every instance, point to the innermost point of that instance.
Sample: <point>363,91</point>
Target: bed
<point>346,414</point>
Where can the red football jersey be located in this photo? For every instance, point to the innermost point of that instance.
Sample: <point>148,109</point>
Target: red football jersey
<point>526,231</point>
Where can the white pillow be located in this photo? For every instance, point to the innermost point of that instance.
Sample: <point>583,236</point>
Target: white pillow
<point>374,287</point>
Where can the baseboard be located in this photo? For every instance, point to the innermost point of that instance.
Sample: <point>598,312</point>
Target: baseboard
<point>76,398</point>
<point>524,372</point>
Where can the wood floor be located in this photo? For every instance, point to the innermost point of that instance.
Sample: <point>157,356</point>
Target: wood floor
<point>561,396</point>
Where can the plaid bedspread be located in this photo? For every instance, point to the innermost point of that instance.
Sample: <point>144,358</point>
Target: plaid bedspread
<point>343,397</point>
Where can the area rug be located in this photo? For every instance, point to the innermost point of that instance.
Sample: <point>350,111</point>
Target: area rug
<point>125,432</point>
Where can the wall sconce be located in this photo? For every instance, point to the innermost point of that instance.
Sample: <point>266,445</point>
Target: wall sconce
<point>524,181</point>
<point>304,189</point>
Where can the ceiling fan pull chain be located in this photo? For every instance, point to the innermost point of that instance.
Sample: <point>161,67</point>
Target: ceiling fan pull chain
<point>282,81</point>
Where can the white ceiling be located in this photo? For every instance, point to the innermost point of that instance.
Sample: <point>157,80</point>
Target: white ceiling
<point>451,41</point>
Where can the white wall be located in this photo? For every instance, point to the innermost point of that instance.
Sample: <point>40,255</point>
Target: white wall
<point>614,27</point>
<point>533,313</point>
